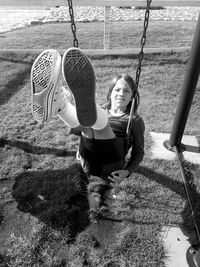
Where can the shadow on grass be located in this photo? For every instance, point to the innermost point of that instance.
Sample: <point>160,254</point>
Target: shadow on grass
<point>179,188</point>
<point>38,150</point>
<point>3,260</point>
<point>1,215</point>
<point>56,197</point>
<point>15,58</point>
<point>13,85</point>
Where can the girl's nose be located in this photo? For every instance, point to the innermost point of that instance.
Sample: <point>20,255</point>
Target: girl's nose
<point>121,92</point>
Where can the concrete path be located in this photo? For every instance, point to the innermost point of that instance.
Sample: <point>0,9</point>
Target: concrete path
<point>176,245</point>
<point>191,154</point>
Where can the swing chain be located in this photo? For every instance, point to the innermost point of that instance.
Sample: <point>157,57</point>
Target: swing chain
<point>143,42</point>
<point>73,25</point>
<point>136,101</point>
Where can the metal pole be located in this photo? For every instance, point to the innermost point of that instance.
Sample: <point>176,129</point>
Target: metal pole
<point>107,27</point>
<point>179,158</point>
<point>187,92</point>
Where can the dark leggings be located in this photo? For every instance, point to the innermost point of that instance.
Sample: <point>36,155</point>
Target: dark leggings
<point>104,171</point>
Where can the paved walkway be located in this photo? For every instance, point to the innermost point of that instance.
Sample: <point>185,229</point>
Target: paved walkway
<point>176,245</point>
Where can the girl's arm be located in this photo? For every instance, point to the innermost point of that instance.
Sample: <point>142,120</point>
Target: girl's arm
<point>137,152</point>
<point>137,145</point>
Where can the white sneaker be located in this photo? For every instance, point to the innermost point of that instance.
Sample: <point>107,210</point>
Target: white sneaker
<point>48,97</point>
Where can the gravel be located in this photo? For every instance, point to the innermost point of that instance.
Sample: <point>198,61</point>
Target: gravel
<point>12,19</point>
<point>97,14</point>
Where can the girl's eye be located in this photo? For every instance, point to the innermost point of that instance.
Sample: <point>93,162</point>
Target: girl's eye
<point>118,89</point>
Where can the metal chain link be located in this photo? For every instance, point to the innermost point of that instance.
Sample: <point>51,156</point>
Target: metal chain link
<point>141,55</point>
<point>136,101</point>
<point>73,25</point>
<point>143,42</point>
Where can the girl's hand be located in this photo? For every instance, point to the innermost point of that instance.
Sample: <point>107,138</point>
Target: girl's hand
<point>118,176</point>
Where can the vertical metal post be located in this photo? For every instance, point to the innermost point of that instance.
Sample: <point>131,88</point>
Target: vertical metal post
<point>187,92</point>
<point>107,27</point>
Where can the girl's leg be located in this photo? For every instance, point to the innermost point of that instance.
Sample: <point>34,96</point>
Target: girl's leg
<point>49,96</point>
<point>103,134</point>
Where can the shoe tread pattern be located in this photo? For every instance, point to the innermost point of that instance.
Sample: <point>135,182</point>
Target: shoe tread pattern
<point>38,112</point>
<point>80,78</point>
<point>42,70</point>
<point>41,75</point>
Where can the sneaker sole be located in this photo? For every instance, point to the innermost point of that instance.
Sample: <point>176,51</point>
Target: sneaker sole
<point>80,77</point>
<point>44,76</point>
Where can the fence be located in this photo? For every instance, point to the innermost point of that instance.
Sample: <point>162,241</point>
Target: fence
<point>107,4</point>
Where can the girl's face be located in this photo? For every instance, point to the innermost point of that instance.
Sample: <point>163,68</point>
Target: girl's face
<point>121,95</point>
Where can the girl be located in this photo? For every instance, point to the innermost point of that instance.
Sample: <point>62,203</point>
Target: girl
<point>104,143</point>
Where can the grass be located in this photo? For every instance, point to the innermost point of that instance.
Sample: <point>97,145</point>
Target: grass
<point>42,222</point>
<point>124,34</point>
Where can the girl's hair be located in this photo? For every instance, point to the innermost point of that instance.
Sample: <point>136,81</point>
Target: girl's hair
<point>132,85</point>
